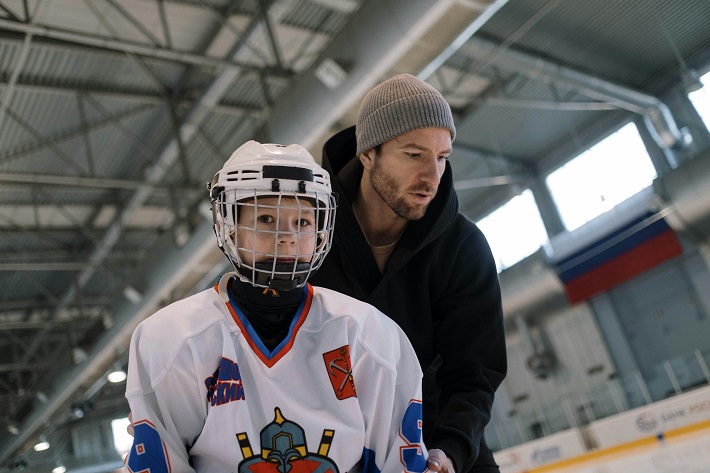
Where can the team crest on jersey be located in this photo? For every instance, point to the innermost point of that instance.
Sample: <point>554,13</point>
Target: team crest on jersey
<point>225,385</point>
<point>340,372</point>
<point>284,450</point>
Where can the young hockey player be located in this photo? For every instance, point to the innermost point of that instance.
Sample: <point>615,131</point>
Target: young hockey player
<point>264,372</point>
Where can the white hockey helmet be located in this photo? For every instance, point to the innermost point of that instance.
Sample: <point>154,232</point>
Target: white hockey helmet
<point>255,171</point>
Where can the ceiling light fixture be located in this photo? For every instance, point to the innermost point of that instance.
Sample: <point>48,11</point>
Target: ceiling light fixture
<point>13,428</point>
<point>42,444</point>
<point>60,468</point>
<point>78,412</point>
<point>117,375</point>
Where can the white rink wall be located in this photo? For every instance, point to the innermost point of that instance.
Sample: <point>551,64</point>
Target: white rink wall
<point>648,428</point>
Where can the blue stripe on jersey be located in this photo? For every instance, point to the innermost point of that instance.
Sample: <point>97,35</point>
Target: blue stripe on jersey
<point>294,321</point>
<point>368,461</point>
<point>251,333</point>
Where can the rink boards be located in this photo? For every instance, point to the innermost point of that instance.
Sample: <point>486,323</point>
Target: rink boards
<point>667,436</point>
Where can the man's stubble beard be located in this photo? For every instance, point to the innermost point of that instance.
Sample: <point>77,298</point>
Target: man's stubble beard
<point>388,189</point>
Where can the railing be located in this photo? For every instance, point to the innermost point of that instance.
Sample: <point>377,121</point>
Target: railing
<point>668,378</point>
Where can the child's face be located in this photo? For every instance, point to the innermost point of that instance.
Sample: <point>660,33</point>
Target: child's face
<point>281,229</point>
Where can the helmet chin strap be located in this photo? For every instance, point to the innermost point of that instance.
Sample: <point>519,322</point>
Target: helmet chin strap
<point>279,282</point>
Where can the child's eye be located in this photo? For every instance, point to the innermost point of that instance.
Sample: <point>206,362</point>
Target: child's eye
<point>303,222</point>
<point>265,219</point>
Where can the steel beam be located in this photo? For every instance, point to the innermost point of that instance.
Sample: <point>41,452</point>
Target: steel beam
<point>656,114</point>
<point>377,36</point>
<point>138,49</point>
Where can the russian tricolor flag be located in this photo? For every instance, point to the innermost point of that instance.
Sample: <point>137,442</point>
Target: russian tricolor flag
<point>638,246</point>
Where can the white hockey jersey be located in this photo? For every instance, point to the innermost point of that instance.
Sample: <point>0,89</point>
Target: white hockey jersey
<point>341,392</point>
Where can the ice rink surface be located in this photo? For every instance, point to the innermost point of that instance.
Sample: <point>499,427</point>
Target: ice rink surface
<point>683,454</point>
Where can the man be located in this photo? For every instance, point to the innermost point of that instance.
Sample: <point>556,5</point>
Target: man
<point>401,245</point>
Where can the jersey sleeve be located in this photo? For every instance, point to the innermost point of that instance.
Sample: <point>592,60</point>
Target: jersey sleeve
<point>392,408</point>
<point>167,405</point>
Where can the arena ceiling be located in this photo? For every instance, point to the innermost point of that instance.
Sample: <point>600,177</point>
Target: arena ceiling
<point>115,113</point>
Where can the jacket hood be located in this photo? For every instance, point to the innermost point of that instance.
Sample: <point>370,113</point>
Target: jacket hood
<point>338,157</point>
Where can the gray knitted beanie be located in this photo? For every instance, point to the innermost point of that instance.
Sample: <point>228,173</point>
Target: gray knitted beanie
<point>397,106</point>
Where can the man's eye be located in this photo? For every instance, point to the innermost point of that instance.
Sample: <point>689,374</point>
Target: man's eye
<point>443,158</point>
<point>414,155</point>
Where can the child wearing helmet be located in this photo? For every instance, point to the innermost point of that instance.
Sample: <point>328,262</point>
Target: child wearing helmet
<point>265,372</point>
<point>274,179</point>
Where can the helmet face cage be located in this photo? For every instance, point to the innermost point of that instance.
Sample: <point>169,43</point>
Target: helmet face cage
<point>274,213</point>
<point>239,228</point>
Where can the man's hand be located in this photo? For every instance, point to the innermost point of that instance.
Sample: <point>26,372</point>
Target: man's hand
<point>439,462</point>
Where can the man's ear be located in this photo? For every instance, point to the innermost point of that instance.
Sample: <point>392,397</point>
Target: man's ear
<point>367,158</point>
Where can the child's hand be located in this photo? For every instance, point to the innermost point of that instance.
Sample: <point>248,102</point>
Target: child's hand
<point>129,428</point>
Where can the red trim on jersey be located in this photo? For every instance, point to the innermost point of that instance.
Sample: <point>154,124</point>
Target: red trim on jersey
<point>301,318</point>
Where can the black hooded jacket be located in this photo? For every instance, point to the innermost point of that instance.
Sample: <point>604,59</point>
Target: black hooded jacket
<point>441,286</point>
